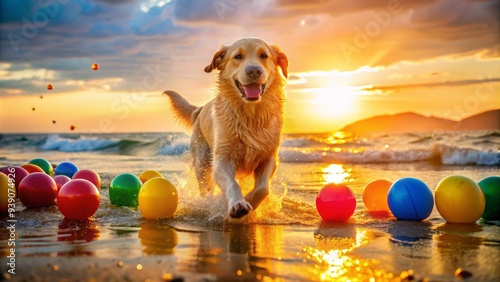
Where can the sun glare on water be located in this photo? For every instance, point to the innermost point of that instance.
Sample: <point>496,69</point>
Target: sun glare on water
<point>335,173</point>
<point>334,261</point>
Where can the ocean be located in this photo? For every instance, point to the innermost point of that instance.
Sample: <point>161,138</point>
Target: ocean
<point>471,148</point>
<point>284,239</point>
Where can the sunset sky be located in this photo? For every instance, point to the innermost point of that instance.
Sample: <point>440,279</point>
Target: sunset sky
<point>349,60</point>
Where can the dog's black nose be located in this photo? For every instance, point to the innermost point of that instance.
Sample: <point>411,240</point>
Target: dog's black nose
<point>254,71</point>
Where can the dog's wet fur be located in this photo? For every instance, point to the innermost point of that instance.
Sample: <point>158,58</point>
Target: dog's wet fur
<point>239,131</point>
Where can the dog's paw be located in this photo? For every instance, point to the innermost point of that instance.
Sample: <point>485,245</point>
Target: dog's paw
<point>240,209</point>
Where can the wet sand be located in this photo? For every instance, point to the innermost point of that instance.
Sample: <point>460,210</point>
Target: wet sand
<point>384,250</point>
<point>284,240</point>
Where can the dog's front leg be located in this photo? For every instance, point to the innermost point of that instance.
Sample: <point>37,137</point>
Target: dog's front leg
<point>263,175</point>
<point>224,176</point>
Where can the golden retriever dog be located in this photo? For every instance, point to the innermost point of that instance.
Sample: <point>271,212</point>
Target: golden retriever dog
<point>239,131</point>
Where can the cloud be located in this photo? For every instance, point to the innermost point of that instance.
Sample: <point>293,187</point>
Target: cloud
<point>116,2</point>
<point>296,80</point>
<point>347,7</point>
<point>397,88</point>
<point>466,25</point>
<point>179,37</point>
<point>376,33</point>
<point>240,12</point>
<point>381,37</point>
<point>63,64</point>
<point>119,36</point>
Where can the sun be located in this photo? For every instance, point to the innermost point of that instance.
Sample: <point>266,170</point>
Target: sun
<point>326,104</point>
<point>334,101</point>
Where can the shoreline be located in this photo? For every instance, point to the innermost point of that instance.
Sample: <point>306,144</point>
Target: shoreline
<point>283,240</point>
<point>366,246</point>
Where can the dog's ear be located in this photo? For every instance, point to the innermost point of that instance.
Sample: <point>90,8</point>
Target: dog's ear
<point>217,60</point>
<point>281,60</point>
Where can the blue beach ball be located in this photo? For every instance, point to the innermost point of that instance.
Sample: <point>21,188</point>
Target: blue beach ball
<point>66,168</point>
<point>410,199</point>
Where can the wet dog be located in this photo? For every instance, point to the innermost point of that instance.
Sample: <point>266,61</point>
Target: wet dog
<point>239,131</point>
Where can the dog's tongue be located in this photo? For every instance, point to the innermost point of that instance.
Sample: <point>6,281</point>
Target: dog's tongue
<point>253,90</point>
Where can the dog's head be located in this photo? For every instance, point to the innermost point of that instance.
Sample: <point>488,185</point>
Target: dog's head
<point>251,65</point>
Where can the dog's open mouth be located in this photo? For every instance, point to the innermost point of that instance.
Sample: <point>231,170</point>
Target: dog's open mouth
<point>252,91</point>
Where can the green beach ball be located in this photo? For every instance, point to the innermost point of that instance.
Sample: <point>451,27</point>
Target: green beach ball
<point>43,164</point>
<point>491,189</point>
<point>124,190</point>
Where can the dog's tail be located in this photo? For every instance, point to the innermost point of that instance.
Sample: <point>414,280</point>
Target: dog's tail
<point>186,112</point>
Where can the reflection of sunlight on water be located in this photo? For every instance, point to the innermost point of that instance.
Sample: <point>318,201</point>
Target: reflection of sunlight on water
<point>156,238</point>
<point>266,239</point>
<point>340,137</point>
<point>335,173</point>
<point>333,262</point>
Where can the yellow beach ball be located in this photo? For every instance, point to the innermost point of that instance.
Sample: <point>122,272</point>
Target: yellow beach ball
<point>148,174</point>
<point>459,199</point>
<point>158,198</point>
<point>5,186</point>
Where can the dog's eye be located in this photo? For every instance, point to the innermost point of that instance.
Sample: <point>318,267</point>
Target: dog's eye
<point>263,56</point>
<point>238,57</point>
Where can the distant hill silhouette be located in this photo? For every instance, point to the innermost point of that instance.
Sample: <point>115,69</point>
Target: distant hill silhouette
<point>408,122</point>
<point>489,120</point>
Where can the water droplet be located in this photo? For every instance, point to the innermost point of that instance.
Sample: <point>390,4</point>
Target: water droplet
<point>167,276</point>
